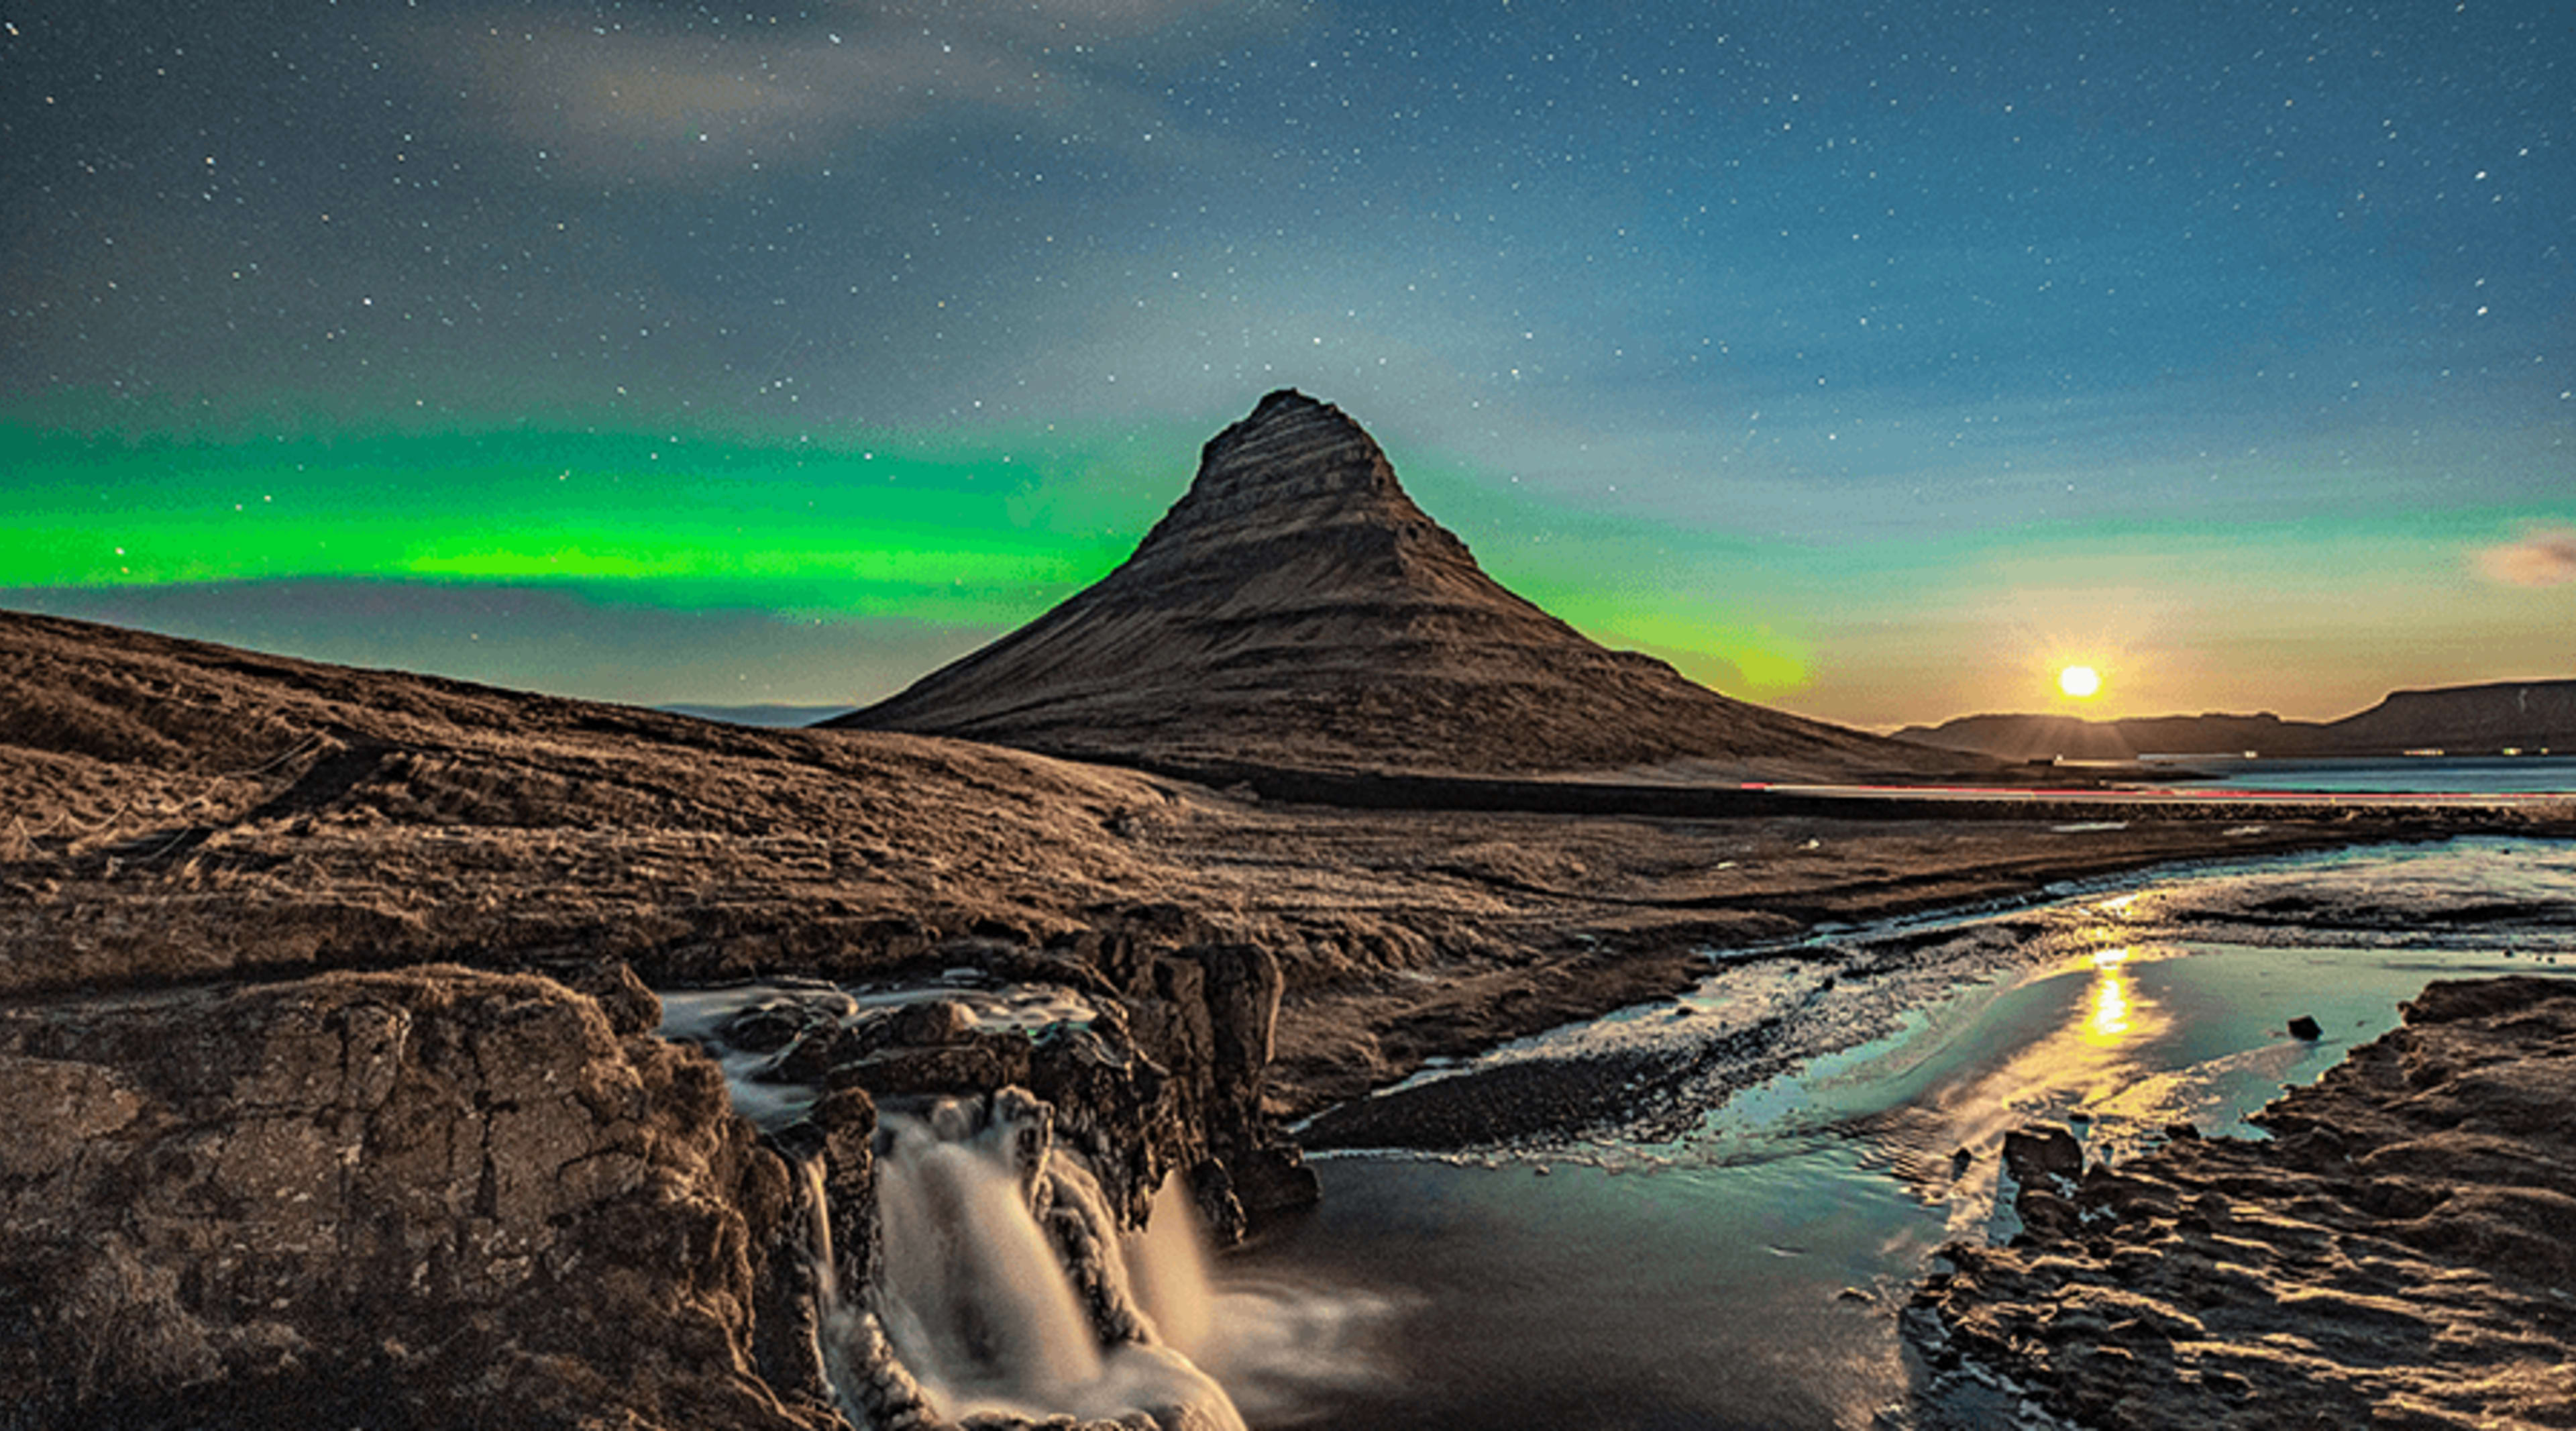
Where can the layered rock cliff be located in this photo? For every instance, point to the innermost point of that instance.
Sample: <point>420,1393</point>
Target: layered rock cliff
<point>425,1198</point>
<point>1295,608</point>
<point>2525,714</point>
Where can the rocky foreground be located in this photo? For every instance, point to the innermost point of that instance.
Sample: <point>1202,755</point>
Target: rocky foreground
<point>2402,1253</point>
<point>429,1198</point>
<point>325,1018</point>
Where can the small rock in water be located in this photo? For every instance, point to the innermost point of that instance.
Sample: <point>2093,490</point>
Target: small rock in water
<point>934,1023</point>
<point>2033,1153</point>
<point>2306,1028</point>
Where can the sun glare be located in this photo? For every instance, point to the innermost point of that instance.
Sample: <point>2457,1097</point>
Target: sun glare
<point>2079,681</point>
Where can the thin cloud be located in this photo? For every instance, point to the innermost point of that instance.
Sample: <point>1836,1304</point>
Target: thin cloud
<point>666,106</point>
<point>2542,558</point>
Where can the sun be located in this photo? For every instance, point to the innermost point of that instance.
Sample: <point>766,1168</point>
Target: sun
<point>2079,681</point>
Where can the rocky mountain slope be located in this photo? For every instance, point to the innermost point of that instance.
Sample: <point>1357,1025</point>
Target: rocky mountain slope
<point>1295,608</point>
<point>2525,714</point>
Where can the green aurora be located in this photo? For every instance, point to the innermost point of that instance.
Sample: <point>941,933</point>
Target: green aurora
<point>976,534</point>
<point>906,549</point>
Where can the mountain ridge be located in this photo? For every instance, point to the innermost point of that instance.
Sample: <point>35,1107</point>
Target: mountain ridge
<point>2486,717</point>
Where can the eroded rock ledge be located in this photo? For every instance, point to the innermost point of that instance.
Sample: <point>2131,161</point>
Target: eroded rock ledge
<point>2402,1253</point>
<point>400,1199</point>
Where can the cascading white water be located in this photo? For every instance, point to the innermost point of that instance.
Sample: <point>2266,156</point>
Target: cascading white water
<point>973,1308</point>
<point>981,1310</point>
<point>1167,1265</point>
<point>973,1293</point>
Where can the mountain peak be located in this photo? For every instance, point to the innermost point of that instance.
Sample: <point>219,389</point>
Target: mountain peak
<point>1295,608</point>
<point>1292,446</point>
<point>1293,502</point>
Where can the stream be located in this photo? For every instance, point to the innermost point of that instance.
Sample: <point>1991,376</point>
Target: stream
<point>1742,1262</point>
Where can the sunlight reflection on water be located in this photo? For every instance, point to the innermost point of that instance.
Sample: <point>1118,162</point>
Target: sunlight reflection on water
<point>2114,1002</point>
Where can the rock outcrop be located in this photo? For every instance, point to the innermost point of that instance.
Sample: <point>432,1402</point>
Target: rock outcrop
<point>440,1197</point>
<point>1296,609</point>
<point>429,1198</point>
<point>2398,1255</point>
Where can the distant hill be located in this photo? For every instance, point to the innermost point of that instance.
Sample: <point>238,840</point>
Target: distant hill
<point>1295,609</point>
<point>2521,714</point>
<point>771,715</point>
<point>2507,715</point>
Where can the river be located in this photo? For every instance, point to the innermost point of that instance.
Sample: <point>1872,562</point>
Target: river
<point>1736,1254</point>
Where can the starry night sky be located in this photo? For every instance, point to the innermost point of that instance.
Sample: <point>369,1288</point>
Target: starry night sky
<point>1871,361</point>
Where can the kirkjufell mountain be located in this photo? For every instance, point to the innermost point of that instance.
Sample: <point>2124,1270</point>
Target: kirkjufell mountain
<point>1295,609</point>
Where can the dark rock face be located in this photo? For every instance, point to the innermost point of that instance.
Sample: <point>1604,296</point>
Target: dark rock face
<point>1295,608</point>
<point>428,1198</point>
<point>2398,1255</point>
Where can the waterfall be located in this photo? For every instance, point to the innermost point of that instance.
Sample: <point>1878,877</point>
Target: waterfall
<point>976,1298</point>
<point>1167,1264</point>
<point>818,1230</point>
<point>1001,1285</point>
<point>974,1294</point>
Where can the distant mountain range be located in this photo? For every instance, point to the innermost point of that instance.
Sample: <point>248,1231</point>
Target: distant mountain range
<point>2524,716</point>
